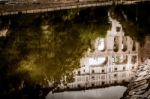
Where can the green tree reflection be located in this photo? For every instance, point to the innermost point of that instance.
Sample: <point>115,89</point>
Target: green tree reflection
<point>40,47</point>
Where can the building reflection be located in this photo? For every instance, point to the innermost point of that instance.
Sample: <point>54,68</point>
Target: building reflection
<point>113,61</point>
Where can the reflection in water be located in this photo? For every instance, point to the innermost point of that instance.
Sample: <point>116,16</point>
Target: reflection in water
<point>104,93</point>
<point>118,64</point>
<point>37,50</point>
<point>104,66</point>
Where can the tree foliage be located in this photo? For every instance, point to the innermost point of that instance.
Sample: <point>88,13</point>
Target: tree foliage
<point>48,45</point>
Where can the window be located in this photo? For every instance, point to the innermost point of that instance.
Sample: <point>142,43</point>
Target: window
<point>93,78</point>
<point>68,87</point>
<point>79,73</point>
<point>93,71</point>
<point>132,67</point>
<point>115,69</point>
<point>103,71</point>
<point>124,68</point>
<point>118,29</point>
<point>134,46</point>
<point>93,85</point>
<point>84,70</point>
<point>79,86</point>
<point>103,82</point>
<point>115,75</point>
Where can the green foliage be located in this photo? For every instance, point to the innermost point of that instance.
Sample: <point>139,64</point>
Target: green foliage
<point>47,46</point>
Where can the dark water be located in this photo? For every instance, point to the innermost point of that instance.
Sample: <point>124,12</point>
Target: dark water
<point>41,49</point>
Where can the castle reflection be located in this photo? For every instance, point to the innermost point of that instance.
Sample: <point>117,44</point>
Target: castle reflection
<point>113,61</point>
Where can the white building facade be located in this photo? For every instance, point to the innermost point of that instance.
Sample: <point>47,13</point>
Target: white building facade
<point>114,60</point>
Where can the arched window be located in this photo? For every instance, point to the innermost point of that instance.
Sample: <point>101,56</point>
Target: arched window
<point>134,46</point>
<point>116,44</point>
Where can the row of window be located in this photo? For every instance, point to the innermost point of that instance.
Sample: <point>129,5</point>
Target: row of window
<point>100,77</point>
<point>103,71</point>
<point>102,83</point>
<point>93,71</point>
<point>124,45</point>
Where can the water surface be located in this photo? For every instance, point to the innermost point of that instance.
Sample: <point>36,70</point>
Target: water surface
<point>114,92</point>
